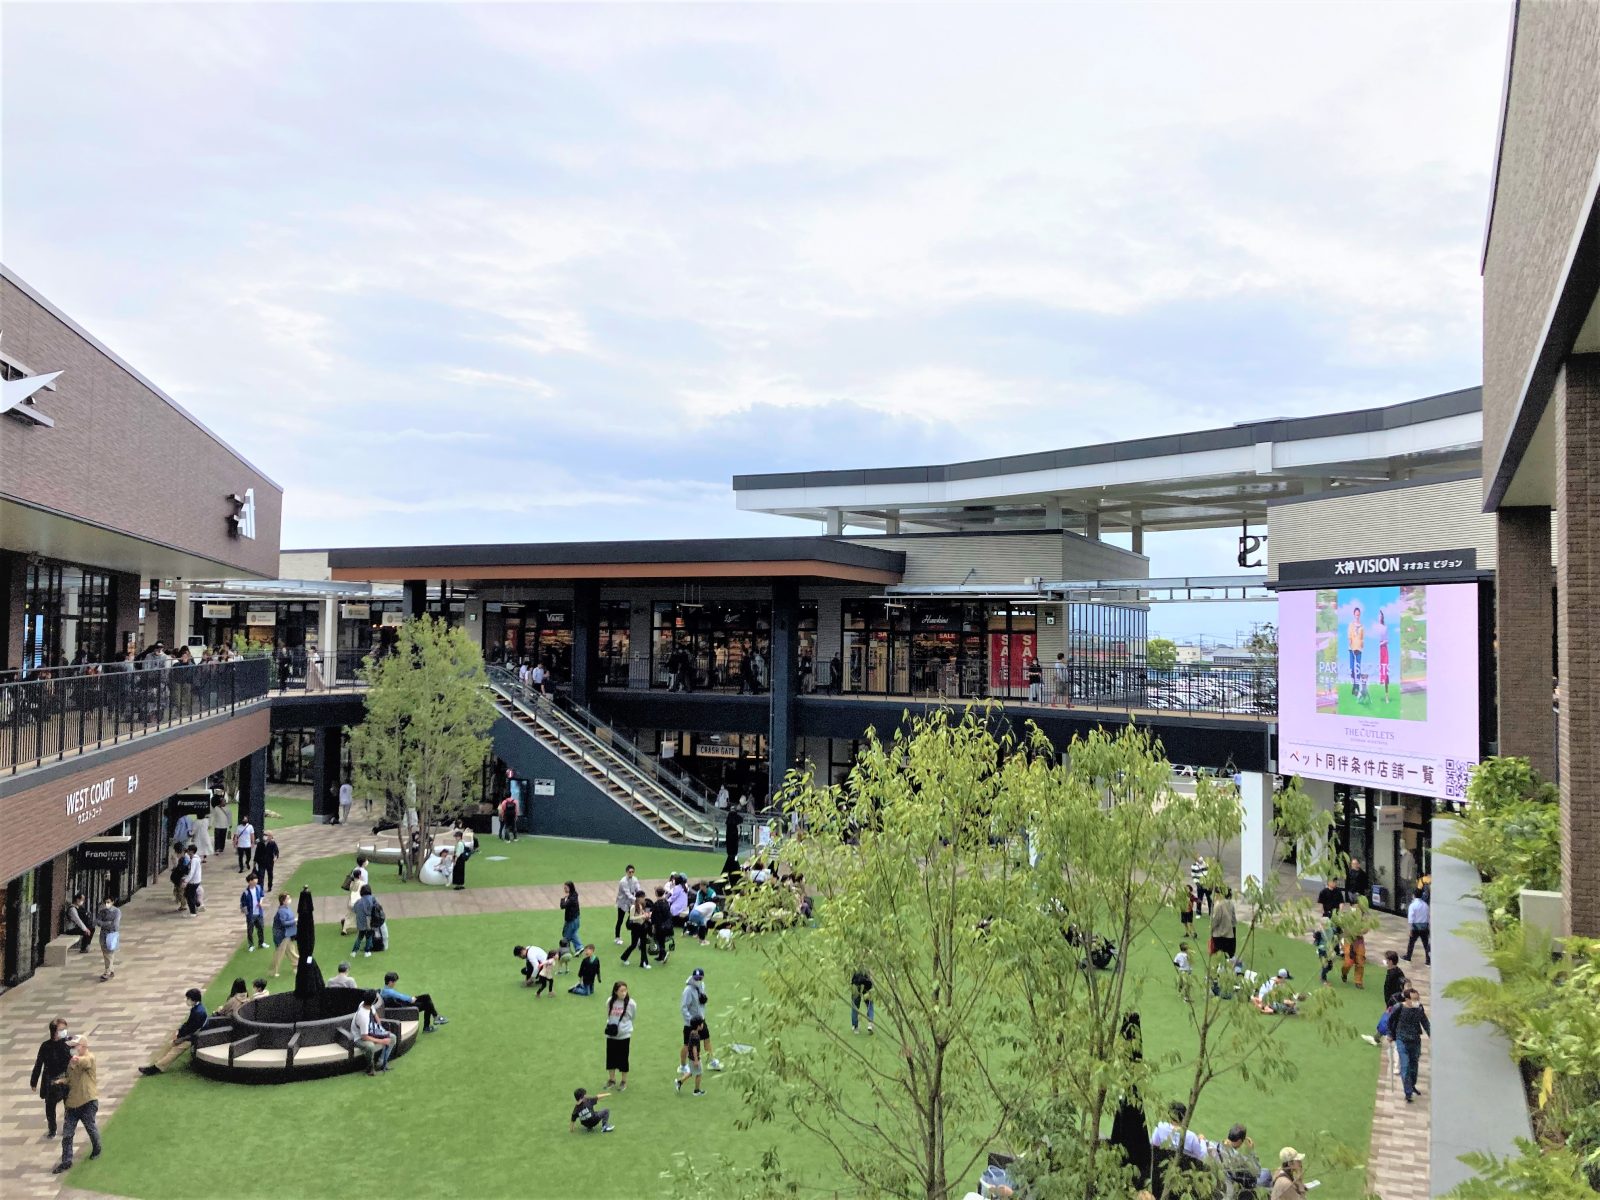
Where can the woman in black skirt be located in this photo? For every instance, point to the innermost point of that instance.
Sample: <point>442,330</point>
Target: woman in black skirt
<point>619,1032</point>
<point>458,860</point>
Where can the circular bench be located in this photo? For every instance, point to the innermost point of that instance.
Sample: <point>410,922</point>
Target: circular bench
<point>283,1038</point>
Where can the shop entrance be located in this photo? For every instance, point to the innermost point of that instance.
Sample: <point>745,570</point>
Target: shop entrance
<point>25,923</point>
<point>1390,833</point>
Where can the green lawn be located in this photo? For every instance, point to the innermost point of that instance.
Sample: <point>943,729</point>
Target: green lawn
<point>291,810</point>
<point>1400,706</point>
<point>528,860</point>
<point>481,1107</point>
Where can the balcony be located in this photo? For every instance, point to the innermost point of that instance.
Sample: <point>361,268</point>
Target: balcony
<point>53,715</point>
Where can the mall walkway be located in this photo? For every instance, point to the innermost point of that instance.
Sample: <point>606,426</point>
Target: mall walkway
<point>129,1017</point>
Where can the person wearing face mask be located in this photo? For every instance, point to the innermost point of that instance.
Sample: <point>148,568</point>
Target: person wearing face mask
<point>50,1072</point>
<point>83,1102</point>
<point>109,921</point>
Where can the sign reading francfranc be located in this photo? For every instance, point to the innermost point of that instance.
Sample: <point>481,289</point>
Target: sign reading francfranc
<point>1410,566</point>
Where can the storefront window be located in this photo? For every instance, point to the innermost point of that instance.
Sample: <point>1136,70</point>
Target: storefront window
<point>877,647</point>
<point>1013,640</point>
<point>724,646</point>
<point>68,615</point>
<point>613,639</point>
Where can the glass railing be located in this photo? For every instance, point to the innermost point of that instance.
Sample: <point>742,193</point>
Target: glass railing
<point>59,713</point>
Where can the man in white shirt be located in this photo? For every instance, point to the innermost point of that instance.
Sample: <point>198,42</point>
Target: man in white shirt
<point>538,678</point>
<point>1060,669</point>
<point>1165,1136</point>
<point>1418,917</point>
<point>358,878</point>
<point>347,797</point>
<point>191,883</point>
<point>370,1037</point>
<point>244,843</point>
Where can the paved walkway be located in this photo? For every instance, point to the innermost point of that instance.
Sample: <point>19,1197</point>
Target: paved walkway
<point>1397,1163</point>
<point>128,1018</point>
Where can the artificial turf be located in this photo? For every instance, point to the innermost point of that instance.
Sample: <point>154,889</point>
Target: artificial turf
<point>528,860</point>
<point>480,1108</point>
<point>291,810</point>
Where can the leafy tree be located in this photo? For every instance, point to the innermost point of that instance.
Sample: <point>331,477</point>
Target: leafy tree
<point>1511,833</point>
<point>992,890</point>
<point>1161,654</point>
<point>428,714</point>
<point>1263,644</point>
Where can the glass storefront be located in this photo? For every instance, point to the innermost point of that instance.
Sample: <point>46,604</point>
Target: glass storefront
<point>292,753</point>
<point>530,633</point>
<point>738,760</point>
<point>614,636</point>
<point>1389,833</point>
<point>68,615</point>
<point>726,646</point>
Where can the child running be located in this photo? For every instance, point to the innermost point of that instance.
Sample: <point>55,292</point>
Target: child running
<point>545,973</point>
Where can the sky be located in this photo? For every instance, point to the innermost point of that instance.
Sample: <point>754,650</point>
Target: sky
<point>459,273</point>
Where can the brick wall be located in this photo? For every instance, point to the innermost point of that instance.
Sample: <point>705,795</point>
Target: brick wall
<point>36,826</point>
<point>1524,628</point>
<point>1577,402</point>
<point>1547,155</point>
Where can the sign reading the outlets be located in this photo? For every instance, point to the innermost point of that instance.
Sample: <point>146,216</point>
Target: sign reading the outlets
<point>1420,566</point>
<point>1378,685</point>
<point>85,804</point>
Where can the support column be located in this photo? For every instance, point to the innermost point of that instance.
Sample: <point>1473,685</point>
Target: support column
<point>1255,839</point>
<point>1323,801</point>
<point>1577,412</point>
<point>1091,521</point>
<point>329,750</point>
<point>1525,632</point>
<point>833,523</point>
<point>253,788</point>
<point>640,614</point>
<point>1052,512</point>
<point>413,598</point>
<point>1136,529</point>
<point>328,639</point>
<point>891,522</point>
<point>182,618</point>
<point>785,664</point>
<point>585,641</point>
<point>13,589</point>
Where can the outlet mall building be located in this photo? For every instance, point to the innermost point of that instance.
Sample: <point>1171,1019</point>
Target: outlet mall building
<point>1434,563</point>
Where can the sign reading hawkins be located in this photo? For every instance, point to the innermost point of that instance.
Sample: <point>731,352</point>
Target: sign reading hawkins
<point>1411,566</point>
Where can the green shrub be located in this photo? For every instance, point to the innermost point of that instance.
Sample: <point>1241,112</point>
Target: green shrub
<point>1511,834</point>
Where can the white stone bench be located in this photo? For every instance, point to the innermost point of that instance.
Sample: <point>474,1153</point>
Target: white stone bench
<point>386,853</point>
<point>55,953</point>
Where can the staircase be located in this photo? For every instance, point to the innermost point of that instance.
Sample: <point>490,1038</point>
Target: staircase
<point>672,807</point>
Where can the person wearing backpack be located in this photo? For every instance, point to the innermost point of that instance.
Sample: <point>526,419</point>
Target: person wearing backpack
<point>364,905</point>
<point>353,883</point>
<point>1407,1024</point>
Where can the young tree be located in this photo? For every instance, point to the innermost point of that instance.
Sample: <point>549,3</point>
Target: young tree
<point>428,714</point>
<point>1161,654</point>
<point>994,895</point>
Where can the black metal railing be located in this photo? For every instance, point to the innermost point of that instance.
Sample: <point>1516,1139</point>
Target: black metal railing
<point>67,711</point>
<point>1189,688</point>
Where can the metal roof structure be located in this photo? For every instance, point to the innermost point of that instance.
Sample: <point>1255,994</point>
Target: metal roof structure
<point>1206,479</point>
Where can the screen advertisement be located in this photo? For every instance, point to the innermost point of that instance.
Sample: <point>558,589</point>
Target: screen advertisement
<point>1378,685</point>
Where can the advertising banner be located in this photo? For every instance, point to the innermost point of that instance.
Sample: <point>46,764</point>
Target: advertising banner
<point>1008,660</point>
<point>1378,685</point>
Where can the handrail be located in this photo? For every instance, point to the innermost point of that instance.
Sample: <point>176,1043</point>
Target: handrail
<point>55,717</point>
<point>687,789</point>
<point>595,751</point>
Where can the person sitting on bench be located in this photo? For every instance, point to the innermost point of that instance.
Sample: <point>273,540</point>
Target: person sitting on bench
<point>422,1002</point>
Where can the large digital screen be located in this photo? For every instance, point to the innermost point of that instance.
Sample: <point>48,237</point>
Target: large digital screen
<point>1378,685</point>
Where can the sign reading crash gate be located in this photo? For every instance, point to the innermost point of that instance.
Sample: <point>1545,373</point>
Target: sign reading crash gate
<point>1412,566</point>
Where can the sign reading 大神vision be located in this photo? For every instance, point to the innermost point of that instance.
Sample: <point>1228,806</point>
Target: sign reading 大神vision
<point>1410,566</point>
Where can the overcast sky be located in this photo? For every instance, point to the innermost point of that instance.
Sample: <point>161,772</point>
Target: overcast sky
<point>459,273</point>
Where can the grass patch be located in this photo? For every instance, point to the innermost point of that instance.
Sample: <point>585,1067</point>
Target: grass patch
<point>528,860</point>
<point>291,810</point>
<point>506,1052</point>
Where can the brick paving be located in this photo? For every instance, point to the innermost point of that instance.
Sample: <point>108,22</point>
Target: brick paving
<point>1397,1162</point>
<point>128,1018</point>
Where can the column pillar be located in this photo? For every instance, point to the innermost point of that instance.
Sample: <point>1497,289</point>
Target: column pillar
<point>328,639</point>
<point>413,598</point>
<point>182,617</point>
<point>253,788</point>
<point>1091,521</point>
<point>585,640</point>
<point>833,524</point>
<point>1577,412</point>
<point>1525,631</point>
<point>13,586</point>
<point>1255,839</point>
<point>891,522</point>
<point>785,664</point>
<point>641,612</point>
<point>1052,512</point>
<point>1136,529</point>
<point>325,781</point>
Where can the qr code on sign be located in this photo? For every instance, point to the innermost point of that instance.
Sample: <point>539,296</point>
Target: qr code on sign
<point>1456,774</point>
